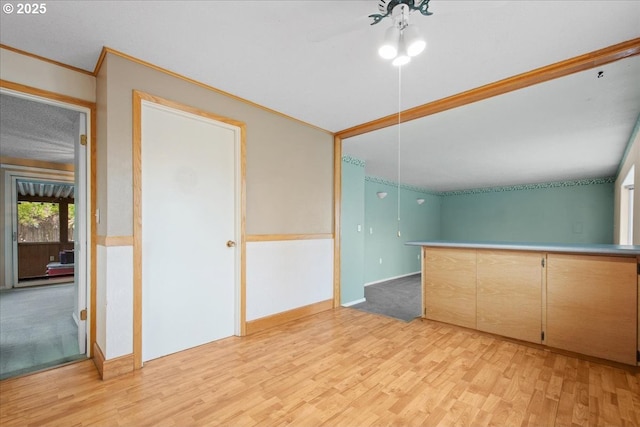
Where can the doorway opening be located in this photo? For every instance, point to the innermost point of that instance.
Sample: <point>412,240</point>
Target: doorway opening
<point>44,232</point>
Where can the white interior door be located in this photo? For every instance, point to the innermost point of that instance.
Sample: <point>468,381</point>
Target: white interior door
<point>188,216</point>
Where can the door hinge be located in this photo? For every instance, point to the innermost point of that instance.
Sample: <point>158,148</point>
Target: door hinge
<point>638,268</point>
<point>83,314</point>
<point>542,262</point>
<point>83,139</point>
<point>638,356</point>
<point>542,336</point>
<point>425,311</point>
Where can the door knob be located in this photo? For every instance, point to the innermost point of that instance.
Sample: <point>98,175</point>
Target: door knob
<point>231,244</point>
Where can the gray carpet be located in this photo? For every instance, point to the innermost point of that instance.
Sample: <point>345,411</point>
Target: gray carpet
<point>398,298</point>
<point>37,330</point>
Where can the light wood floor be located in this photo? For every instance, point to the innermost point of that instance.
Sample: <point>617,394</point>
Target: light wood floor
<point>340,368</point>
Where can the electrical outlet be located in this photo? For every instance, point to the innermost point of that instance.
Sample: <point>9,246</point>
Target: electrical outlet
<point>380,261</point>
<point>370,230</point>
<point>52,258</point>
<point>359,228</point>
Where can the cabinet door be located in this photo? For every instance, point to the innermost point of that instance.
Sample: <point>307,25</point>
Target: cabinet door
<point>449,285</point>
<point>591,305</point>
<point>510,294</point>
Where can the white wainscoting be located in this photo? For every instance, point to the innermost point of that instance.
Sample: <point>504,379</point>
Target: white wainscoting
<point>114,305</point>
<point>284,275</point>
<point>101,297</point>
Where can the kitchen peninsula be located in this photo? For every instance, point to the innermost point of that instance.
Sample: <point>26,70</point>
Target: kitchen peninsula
<point>577,297</point>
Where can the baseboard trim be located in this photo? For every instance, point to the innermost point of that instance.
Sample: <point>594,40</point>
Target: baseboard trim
<point>267,322</point>
<point>392,278</point>
<point>358,301</point>
<point>113,367</point>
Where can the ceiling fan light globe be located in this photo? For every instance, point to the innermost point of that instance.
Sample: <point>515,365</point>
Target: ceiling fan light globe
<point>415,48</point>
<point>401,59</point>
<point>389,47</point>
<point>414,41</point>
<point>387,51</point>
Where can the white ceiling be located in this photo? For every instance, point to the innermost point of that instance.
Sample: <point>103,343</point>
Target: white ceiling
<point>575,127</point>
<point>316,61</point>
<point>34,130</point>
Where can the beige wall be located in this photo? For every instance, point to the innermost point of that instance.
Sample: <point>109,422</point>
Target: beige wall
<point>289,181</point>
<point>633,158</point>
<point>28,71</point>
<point>289,163</point>
<point>33,72</point>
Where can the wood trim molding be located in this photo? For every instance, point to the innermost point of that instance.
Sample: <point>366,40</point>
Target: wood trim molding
<point>138,98</point>
<point>32,163</point>
<point>93,289</point>
<point>91,106</point>
<point>98,358</point>
<point>114,240</point>
<point>42,58</point>
<point>539,75</point>
<point>113,367</point>
<point>243,230</point>
<point>103,55</point>
<point>17,87</point>
<point>267,322</point>
<point>137,229</point>
<point>285,237</point>
<point>107,50</point>
<point>337,216</point>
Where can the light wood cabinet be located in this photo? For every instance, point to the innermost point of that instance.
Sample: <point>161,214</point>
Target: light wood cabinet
<point>592,305</point>
<point>449,285</point>
<point>584,303</point>
<point>509,294</point>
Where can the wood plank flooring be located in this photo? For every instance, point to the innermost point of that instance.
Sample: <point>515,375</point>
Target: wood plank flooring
<point>342,367</point>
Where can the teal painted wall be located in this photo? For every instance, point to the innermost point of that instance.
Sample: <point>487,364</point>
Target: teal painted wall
<point>572,212</point>
<point>564,214</point>
<point>352,240</point>
<point>417,222</point>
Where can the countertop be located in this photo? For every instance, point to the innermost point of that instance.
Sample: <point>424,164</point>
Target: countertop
<point>577,248</point>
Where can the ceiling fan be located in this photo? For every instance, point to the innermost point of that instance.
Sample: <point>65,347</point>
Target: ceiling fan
<point>401,41</point>
<point>386,8</point>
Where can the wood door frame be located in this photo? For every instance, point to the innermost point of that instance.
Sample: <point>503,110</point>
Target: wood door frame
<point>543,74</point>
<point>138,99</point>
<point>92,225</point>
<point>11,204</point>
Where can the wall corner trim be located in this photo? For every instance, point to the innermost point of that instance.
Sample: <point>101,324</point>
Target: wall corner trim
<point>113,367</point>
